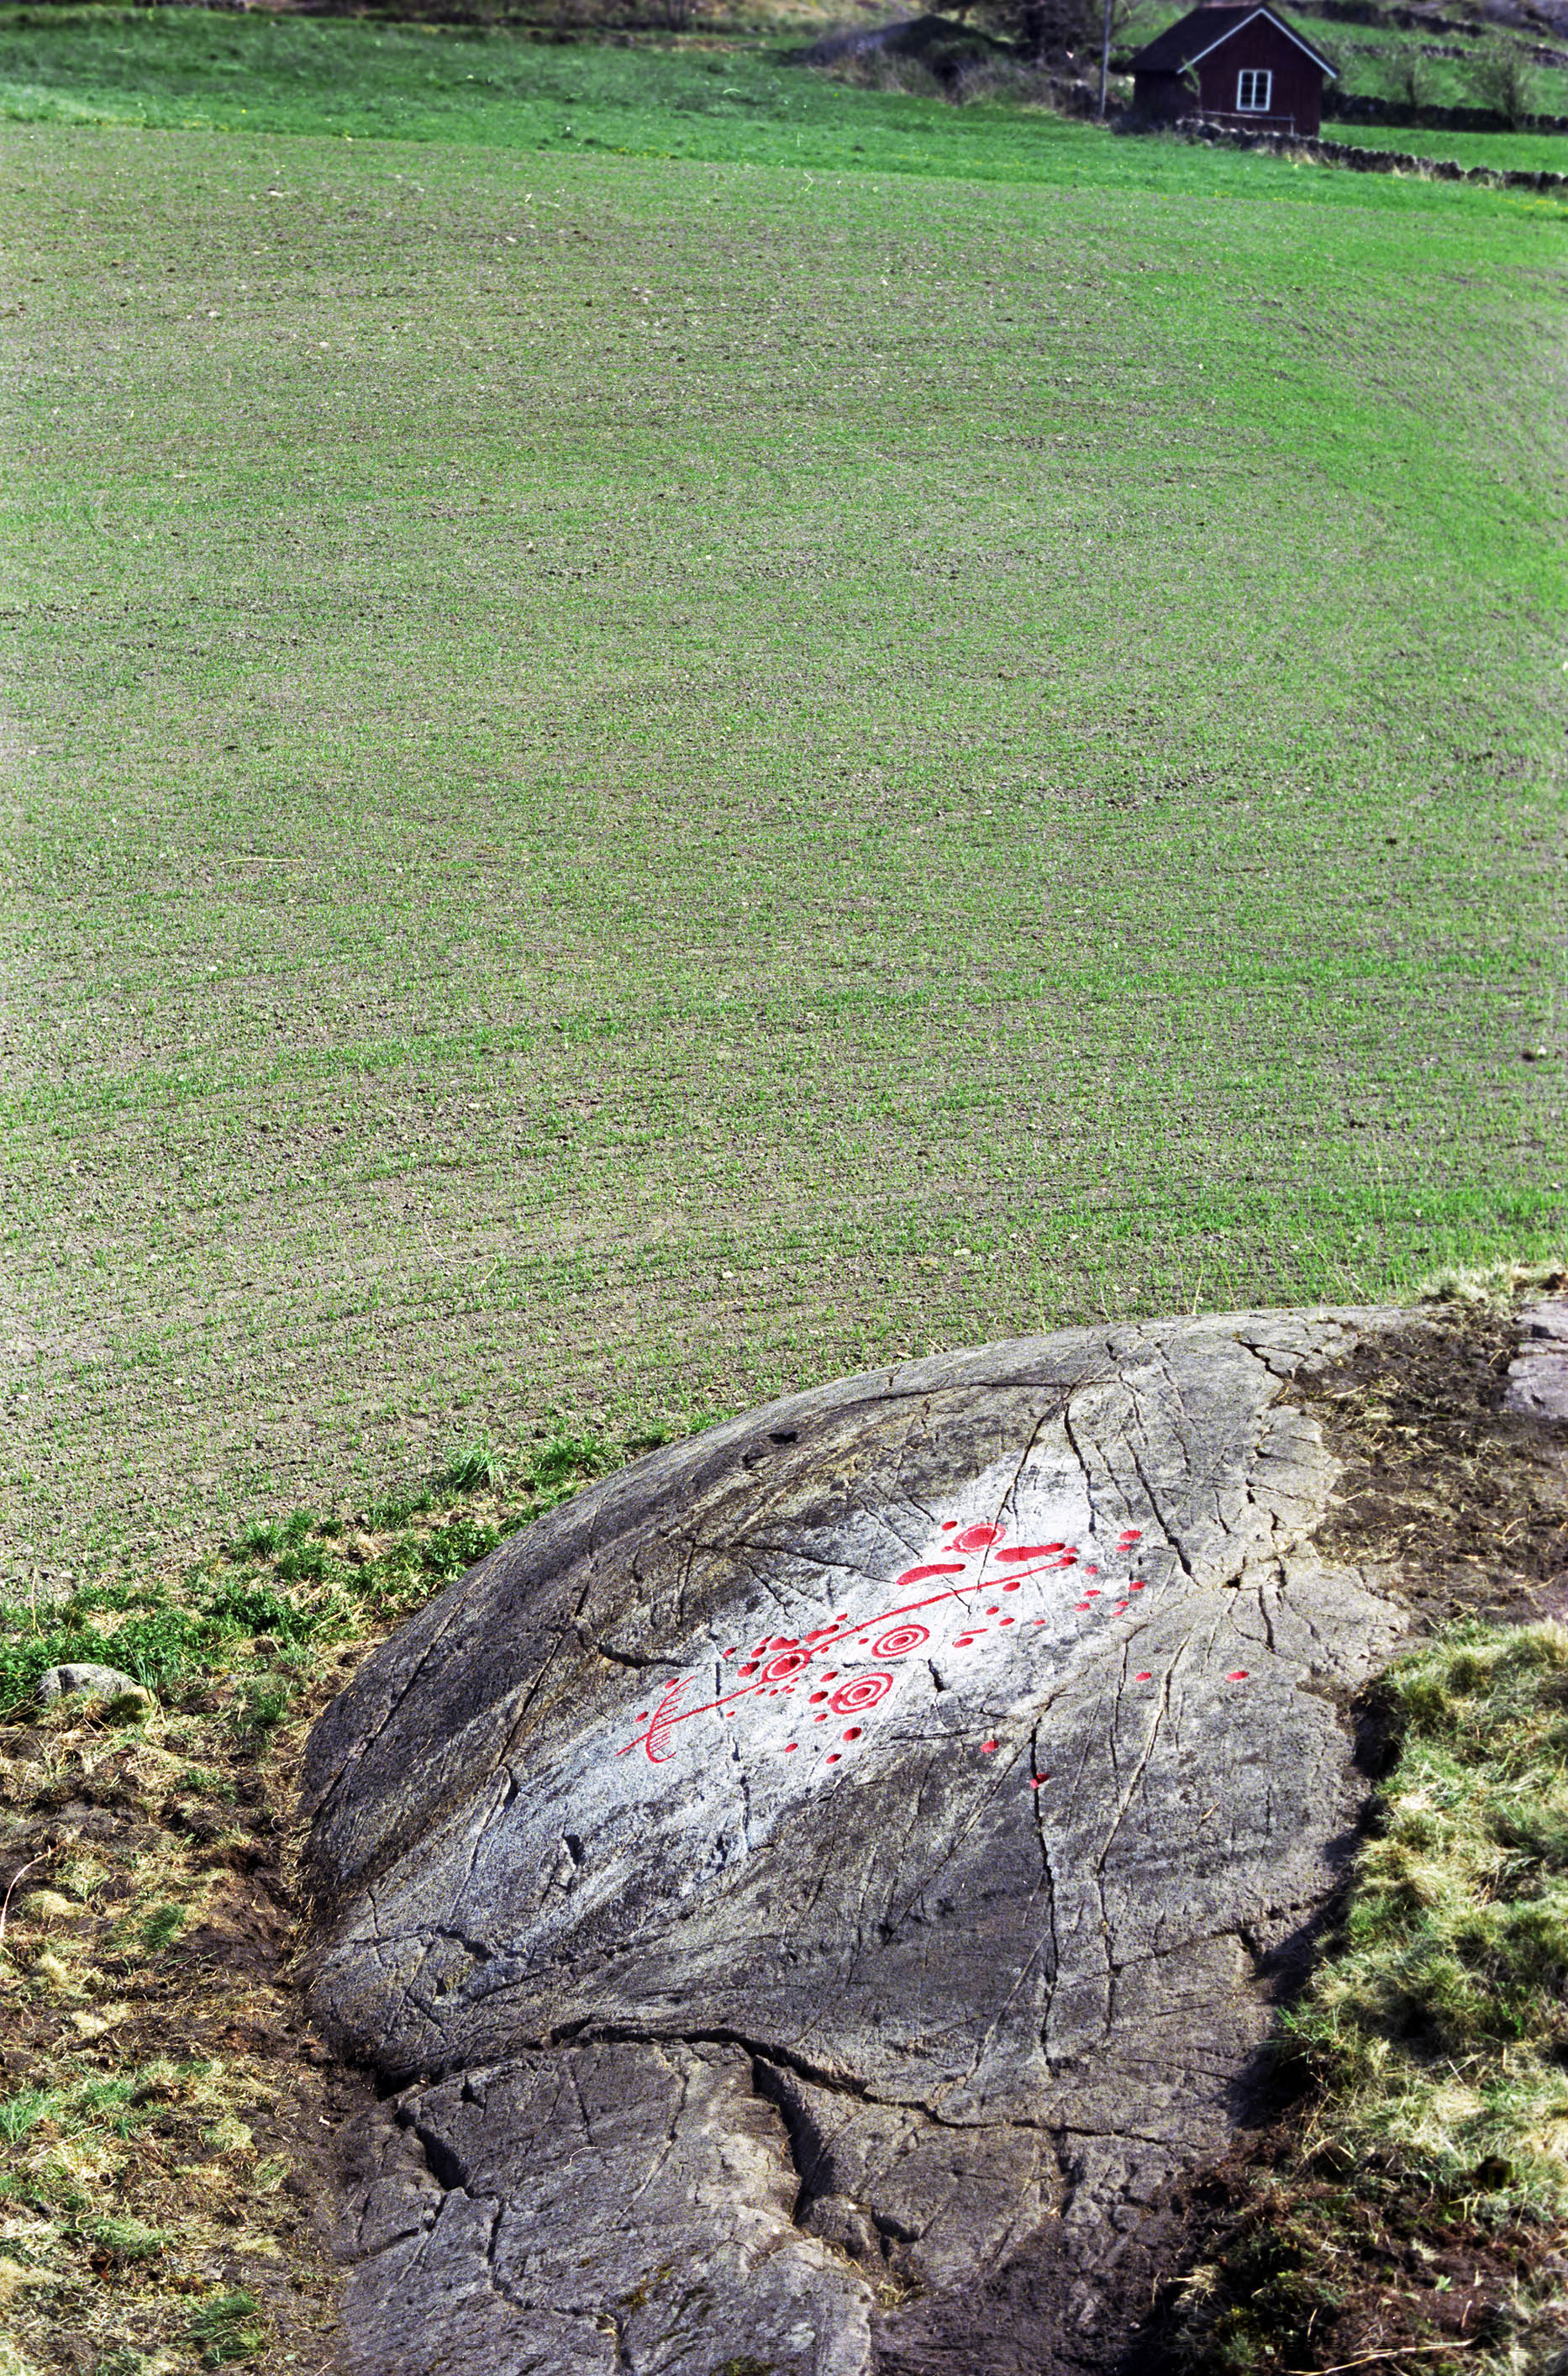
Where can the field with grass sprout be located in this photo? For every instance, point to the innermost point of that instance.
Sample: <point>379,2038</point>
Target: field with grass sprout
<point>673,728</point>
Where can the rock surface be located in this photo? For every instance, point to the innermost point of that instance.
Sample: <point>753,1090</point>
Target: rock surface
<point>1538,1377</point>
<point>840,1867</point>
<point>98,1682</point>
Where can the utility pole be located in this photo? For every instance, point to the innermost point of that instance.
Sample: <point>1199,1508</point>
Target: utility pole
<point>1105,56</point>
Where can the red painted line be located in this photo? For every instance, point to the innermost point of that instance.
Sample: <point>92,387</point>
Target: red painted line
<point>977,1538</point>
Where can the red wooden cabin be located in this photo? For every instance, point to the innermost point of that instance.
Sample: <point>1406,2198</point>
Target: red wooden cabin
<point>1234,63</point>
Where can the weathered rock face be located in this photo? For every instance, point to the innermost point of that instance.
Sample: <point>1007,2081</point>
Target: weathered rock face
<point>840,1859</point>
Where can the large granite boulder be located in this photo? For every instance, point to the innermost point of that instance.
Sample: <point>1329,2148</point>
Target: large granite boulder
<point>805,1898</point>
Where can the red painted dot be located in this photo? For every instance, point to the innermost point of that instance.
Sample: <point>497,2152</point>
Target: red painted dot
<point>1083,1604</point>
<point>994,1611</point>
<point>1136,1587</point>
<point>1093,1592</point>
<point>1131,1535</point>
<point>1039,1621</point>
<point>831,1675</point>
<point>750,1669</point>
<point>1236,1675</point>
<point>789,1745</point>
<point>853,1733</point>
<point>1091,1571</point>
<point>1009,1620</point>
<point>818,1695</point>
<point>822,1718</point>
<point>965,1641</point>
<point>979,1539</point>
<point>1029,1552</point>
<point>833,1757</point>
<point>817,1632</point>
<point>1036,1779</point>
<point>1145,1677</point>
<point>988,1745</point>
<point>1012,1587</point>
<point>732,1653</point>
<point>948,1524</point>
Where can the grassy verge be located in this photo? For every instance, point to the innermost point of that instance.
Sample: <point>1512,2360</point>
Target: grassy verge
<point>164,2114</point>
<point>1416,2202</point>
<point>267,1606</point>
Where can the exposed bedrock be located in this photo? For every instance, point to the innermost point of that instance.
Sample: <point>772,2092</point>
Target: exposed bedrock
<point>840,1867</point>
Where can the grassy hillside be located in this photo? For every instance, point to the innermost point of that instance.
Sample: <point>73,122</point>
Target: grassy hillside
<point>641,780</point>
<point>715,96</point>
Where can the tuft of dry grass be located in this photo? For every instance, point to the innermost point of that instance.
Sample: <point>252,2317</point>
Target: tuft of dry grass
<point>1440,2030</point>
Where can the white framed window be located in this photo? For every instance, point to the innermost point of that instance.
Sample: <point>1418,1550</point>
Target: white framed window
<point>1255,88</point>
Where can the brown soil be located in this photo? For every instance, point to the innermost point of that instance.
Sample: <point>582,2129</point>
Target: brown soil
<point>1463,1505</point>
<point>1284,2271</point>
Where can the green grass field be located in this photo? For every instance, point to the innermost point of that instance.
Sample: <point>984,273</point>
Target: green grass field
<point>645,777</point>
<point>1504,152</point>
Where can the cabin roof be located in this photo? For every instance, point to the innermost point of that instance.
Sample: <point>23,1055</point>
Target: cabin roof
<point>1204,29</point>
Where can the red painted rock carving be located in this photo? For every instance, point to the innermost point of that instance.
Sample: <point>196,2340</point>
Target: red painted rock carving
<point>891,1633</point>
<point>536,1943</point>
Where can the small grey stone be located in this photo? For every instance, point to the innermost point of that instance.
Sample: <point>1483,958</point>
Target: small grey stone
<point>1537,1385</point>
<point>100,1682</point>
<point>1537,1377</point>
